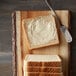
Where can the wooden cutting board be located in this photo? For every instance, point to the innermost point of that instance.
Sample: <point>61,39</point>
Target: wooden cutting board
<point>19,46</point>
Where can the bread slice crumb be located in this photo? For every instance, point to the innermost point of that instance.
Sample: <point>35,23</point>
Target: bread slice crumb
<point>40,31</point>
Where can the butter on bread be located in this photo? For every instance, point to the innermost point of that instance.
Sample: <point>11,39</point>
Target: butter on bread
<point>40,31</point>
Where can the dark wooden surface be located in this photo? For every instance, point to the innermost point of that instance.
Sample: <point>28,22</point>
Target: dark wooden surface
<point>9,6</point>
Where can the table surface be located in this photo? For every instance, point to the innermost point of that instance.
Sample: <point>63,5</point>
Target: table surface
<point>9,6</point>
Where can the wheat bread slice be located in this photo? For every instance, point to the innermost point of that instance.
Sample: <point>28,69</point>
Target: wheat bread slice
<point>40,31</point>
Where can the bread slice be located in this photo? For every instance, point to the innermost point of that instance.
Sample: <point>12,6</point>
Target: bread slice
<point>44,69</point>
<point>40,31</point>
<point>42,64</point>
<point>42,60</point>
<point>42,74</point>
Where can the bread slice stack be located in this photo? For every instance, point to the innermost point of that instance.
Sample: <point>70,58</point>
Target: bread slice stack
<point>42,65</point>
<point>40,31</point>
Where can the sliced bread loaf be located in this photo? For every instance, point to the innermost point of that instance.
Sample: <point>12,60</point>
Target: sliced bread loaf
<point>42,65</point>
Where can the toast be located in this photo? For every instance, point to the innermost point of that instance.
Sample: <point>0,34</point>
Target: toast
<point>40,31</point>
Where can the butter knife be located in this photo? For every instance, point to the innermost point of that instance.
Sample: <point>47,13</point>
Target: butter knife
<point>63,28</point>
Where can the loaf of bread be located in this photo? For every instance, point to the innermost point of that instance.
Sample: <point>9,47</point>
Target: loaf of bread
<point>42,65</point>
<point>40,31</point>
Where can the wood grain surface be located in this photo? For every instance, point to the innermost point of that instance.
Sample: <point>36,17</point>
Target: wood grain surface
<point>62,49</point>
